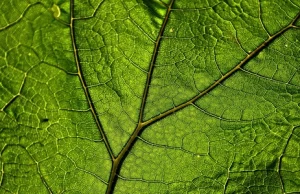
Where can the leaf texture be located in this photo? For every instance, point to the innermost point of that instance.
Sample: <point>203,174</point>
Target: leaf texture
<point>150,96</point>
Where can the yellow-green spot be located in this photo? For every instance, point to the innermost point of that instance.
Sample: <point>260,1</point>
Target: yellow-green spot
<point>56,10</point>
<point>261,55</point>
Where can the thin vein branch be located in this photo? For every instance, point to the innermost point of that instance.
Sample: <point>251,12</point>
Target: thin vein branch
<point>260,18</point>
<point>21,16</point>
<point>281,156</point>
<point>84,85</point>
<point>19,92</point>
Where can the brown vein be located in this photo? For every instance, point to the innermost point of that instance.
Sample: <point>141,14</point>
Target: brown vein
<point>83,83</point>
<point>117,162</point>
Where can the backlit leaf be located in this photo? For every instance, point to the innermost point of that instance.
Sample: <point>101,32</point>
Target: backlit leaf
<point>150,96</point>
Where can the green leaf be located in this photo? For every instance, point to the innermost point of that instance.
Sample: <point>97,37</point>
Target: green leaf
<point>150,96</point>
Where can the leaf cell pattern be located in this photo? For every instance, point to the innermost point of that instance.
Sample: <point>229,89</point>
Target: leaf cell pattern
<point>149,96</point>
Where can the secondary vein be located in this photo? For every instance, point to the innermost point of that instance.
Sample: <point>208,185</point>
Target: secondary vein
<point>153,60</point>
<point>84,85</point>
<point>224,77</point>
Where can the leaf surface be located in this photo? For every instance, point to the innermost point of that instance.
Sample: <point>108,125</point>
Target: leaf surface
<point>160,96</point>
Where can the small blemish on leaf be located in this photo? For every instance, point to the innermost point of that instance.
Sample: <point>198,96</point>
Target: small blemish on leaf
<point>45,120</point>
<point>261,55</point>
<point>171,30</point>
<point>56,10</point>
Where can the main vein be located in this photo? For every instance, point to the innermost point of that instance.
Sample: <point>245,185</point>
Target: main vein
<point>84,85</point>
<point>117,162</point>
